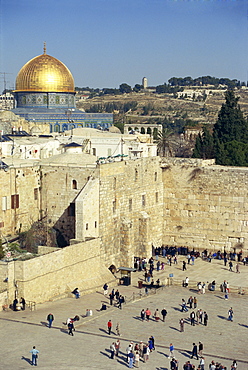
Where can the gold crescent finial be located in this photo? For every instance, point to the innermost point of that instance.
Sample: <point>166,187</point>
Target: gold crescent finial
<point>44,47</point>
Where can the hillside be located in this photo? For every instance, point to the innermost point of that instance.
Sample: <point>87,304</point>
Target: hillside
<point>152,107</point>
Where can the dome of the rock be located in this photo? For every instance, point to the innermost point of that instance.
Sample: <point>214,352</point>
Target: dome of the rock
<point>44,73</point>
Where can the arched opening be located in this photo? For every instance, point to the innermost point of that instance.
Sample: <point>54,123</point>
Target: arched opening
<point>155,133</point>
<point>142,130</point>
<point>74,184</point>
<point>113,269</point>
<point>149,131</point>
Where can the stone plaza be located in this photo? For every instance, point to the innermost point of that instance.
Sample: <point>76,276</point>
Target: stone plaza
<point>223,340</point>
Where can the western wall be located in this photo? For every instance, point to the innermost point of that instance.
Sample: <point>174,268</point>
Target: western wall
<point>120,210</point>
<point>205,205</point>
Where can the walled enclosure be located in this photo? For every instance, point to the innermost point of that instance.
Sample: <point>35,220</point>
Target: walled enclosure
<point>143,202</point>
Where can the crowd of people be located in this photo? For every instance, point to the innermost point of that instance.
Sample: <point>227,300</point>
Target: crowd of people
<point>140,352</point>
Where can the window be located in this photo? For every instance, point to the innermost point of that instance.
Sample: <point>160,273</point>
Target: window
<point>143,200</point>
<point>155,176</point>
<point>87,226</point>
<point>72,210</point>
<point>95,224</point>
<point>14,201</point>
<point>114,206</point>
<point>156,197</point>
<point>94,151</point>
<point>74,184</point>
<point>136,175</point>
<point>130,205</point>
<point>36,192</point>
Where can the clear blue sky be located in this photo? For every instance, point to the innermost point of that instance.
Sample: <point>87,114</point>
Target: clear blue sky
<point>107,42</point>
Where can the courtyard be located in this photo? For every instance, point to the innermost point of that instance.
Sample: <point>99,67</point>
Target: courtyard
<point>89,348</point>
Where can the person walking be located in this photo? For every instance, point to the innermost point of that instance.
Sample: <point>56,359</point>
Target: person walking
<point>153,342</point>
<point>195,302</point>
<point>117,347</point>
<point>164,313</point>
<point>197,316</point>
<point>192,318</point>
<point>109,325</point>
<point>184,266</point>
<point>50,319</point>
<point>184,308</point>
<point>205,318</point>
<point>23,303</point>
<point>70,327</point>
<point>190,302</point>
<point>146,352</point>
<point>136,358</point>
<point>237,268</point>
<point>111,298</point>
<point>118,329</point>
<point>128,350</point>
<point>181,324</point>
<point>230,314</point>
<point>202,363</point>
<point>156,315</point>
<point>200,349</point>
<point>141,347</point>
<point>105,289</point>
<point>148,314</point>
<point>34,352</point>
<point>142,315</point>
<point>130,359</point>
<point>171,354</point>
<point>230,265</point>
<point>112,350</point>
<point>194,351</point>
<point>186,283</point>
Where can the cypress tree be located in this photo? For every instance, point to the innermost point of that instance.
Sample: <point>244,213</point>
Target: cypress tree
<point>230,134</point>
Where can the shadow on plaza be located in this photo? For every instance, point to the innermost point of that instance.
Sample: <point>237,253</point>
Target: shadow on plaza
<point>185,353</point>
<point>245,326</point>
<point>162,353</point>
<point>121,359</point>
<point>27,359</point>
<point>172,327</point>
<point>222,317</point>
<point>177,309</point>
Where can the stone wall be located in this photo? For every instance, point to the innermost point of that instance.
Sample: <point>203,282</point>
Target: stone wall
<point>131,209</point>
<point>24,183</point>
<point>205,206</point>
<point>55,275</point>
<point>61,185</point>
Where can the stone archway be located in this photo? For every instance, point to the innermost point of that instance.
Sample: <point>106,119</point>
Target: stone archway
<point>113,269</point>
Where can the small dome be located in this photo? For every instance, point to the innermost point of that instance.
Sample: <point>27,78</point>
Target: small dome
<point>44,73</point>
<point>114,130</point>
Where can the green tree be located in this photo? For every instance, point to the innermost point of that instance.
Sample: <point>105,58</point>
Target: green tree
<point>204,145</point>
<point>230,133</point>
<point>125,88</point>
<point>138,87</point>
<point>164,142</point>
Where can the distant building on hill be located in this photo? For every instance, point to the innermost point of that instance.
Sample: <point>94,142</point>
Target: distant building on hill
<point>144,82</point>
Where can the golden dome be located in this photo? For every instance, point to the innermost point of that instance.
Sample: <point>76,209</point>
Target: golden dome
<point>44,73</point>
